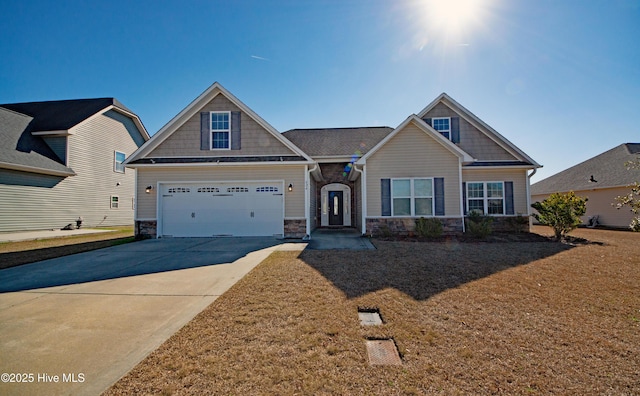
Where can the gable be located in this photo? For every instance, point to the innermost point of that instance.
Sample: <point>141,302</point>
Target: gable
<point>472,140</point>
<point>255,139</point>
<point>411,151</point>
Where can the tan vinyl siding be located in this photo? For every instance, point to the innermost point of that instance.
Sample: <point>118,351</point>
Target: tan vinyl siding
<point>413,153</point>
<point>474,142</point>
<point>600,203</point>
<point>291,174</point>
<point>53,202</point>
<point>517,176</point>
<point>185,141</point>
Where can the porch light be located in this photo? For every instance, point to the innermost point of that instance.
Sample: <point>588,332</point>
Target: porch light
<point>148,189</point>
<point>290,187</point>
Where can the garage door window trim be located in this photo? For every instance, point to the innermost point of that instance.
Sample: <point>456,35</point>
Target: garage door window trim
<point>220,124</point>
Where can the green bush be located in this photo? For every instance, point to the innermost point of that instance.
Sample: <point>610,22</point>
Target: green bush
<point>479,225</point>
<point>561,212</point>
<point>430,228</point>
<point>518,223</point>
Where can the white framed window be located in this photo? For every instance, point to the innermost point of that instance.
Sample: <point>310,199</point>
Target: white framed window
<point>486,197</point>
<point>115,202</point>
<point>442,125</point>
<point>220,130</point>
<point>118,159</point>
<point>412,197</point>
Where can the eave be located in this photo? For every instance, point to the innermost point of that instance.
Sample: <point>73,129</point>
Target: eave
<point>33,169</point>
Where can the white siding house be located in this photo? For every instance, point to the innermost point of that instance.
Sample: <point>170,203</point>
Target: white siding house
<point>61,160</point>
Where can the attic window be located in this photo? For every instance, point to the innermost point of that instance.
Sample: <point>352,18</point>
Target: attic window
<point>118,160</point>
<point>443,125</point>
<point>220,130</point>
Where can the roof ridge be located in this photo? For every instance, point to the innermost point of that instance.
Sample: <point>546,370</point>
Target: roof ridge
<point>329,129</point>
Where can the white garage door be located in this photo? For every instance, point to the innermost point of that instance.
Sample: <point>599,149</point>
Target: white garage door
<point>222,209</point>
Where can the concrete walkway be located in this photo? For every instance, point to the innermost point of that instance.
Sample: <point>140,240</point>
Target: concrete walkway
<point>76,324</point>
<point>338,238</point>
<point>46,234</point>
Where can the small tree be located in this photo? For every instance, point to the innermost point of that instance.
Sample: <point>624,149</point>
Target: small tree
<point>561,212</point>
<point>632,200</point>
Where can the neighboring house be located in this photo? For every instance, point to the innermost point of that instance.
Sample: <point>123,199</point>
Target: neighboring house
<point>600,179</point>
<point>218,168</point>
<point>61,160</point>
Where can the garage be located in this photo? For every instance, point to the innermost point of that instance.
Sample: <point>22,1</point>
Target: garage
<point>221,209</point>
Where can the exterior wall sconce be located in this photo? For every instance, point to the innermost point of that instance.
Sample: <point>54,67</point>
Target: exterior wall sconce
<point>148,189</point>
<point>290,187</point>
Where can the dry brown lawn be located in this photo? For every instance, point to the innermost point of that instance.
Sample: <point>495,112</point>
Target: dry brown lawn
<point>24,252</point>
<point>468,318</point>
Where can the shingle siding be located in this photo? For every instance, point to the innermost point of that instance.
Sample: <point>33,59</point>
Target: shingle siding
<point>185,141</point>
<point>412,153</point>
<point>474,142</point>
<point>53,202</point>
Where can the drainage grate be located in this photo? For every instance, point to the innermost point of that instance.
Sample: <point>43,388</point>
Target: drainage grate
<point>369,316</point>
<point>383,352</point>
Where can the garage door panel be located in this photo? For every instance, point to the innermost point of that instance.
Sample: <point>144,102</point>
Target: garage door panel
<point>237,209</point>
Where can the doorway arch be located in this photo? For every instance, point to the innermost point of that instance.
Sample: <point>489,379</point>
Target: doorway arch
<point>335,201</point>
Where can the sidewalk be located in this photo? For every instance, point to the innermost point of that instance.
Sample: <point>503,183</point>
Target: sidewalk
<point>46,234</point>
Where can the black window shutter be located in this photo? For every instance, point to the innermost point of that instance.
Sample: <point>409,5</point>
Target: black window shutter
<point>508,198</point>
<point>428,121</point>
<point>235,130</point>
<point>385,186</point>
<point>455,129</point>
<point>438,189</point>
<point>205,131</point>
<point>464,198</point>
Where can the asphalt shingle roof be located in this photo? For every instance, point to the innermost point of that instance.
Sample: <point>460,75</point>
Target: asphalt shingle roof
<point>61,114</point>
<point>19,120</point>
<point>337,141</point>
<point>608,169</point>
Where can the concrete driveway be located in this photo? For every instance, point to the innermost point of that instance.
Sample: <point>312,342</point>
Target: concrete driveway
<point>76,324</point>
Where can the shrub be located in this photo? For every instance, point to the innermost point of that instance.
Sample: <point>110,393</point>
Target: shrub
<point>518,223</point>
<point>632,200</point>
<point>479,225</point>
<point>430,228</point>
<point>561,212</point>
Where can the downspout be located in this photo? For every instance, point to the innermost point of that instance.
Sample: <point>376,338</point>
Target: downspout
<point>529,194</point>
<point>363,187</point>
<point>307,199</point>
<point>461,194</point>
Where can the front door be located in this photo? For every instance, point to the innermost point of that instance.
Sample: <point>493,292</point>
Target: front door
<point>335,208</point>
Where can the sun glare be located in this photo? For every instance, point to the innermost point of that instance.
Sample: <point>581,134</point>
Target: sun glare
<point>453,19</point>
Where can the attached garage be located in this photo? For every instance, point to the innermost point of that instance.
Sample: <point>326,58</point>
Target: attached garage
<point>207,209</point>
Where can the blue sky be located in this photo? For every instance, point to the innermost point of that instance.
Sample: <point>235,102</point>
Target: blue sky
<point>559,78</point>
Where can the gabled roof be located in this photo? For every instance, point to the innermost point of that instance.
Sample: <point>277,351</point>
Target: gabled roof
<point>608,170</point>
<point>337,142</point>
<point>21,125</point>
<point>428,130</point>
<point>20,150</point>
<point>62,114</point>
<point>193,108</point>
<point>480,125</point>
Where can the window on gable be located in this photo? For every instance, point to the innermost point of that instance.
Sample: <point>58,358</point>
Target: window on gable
<point>412,197</point>
<point>220,130</point>
<point>443,125</point>
<point>118,159</point>
<point>486,197</point>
